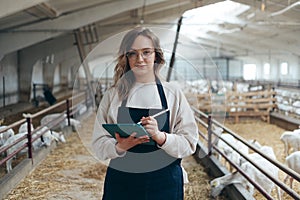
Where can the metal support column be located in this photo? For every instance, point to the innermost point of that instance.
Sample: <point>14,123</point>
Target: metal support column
<point>174,50</point>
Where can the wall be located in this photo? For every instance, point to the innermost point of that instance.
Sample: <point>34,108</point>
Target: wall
<point>275,61</point>
<point>37,78</point>
<point>9,72</point>
<point>56,79</point>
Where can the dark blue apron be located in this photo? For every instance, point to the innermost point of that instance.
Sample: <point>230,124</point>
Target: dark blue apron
<point>146,172</point>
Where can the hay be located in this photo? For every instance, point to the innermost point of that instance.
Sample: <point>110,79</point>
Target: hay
<point>70,172</point>
<point>95,171</point>
<point>198,187</point>
<point>62,171</point>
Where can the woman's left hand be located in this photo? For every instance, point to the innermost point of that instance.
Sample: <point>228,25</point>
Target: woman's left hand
<point>151,126</point>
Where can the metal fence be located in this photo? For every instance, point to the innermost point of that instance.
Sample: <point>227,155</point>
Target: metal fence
<point>206,121</point>
<point>70,109</point>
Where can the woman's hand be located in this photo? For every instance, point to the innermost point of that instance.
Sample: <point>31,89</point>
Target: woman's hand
<point>151,126</point>
<point>126,143</point>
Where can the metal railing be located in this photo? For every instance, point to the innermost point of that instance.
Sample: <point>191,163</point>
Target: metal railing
<point>211,145</point>
<point>32,135</point>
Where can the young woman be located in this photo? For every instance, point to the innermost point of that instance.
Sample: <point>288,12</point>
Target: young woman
<point>138,170</point>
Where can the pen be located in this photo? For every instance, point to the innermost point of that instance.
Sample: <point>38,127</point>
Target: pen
<point>157,114</point>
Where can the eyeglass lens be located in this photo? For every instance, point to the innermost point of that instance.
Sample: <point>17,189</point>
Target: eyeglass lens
<point>135,53</point>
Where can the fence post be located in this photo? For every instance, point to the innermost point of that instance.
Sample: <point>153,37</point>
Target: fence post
<point>29,138</point>
<point>209,132</point>
<point>68,112</point>
<point>274,102</point>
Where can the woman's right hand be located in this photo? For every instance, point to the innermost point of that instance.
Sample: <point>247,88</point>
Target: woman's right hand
<point>123,144</point>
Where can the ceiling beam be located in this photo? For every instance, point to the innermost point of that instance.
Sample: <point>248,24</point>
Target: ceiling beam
<point>25,36</point>
<point>225,48</point>
<point>47,10</point>
<point>8,7</point>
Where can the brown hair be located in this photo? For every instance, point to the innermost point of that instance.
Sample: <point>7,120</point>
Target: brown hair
<point>123,76</point>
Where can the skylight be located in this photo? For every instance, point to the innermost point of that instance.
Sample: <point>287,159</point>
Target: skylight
<point>214,18</point>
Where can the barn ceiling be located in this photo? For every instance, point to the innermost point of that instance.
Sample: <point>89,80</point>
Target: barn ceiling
<point>247,28</point>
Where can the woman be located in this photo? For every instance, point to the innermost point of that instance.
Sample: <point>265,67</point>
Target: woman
<point>138,170</point>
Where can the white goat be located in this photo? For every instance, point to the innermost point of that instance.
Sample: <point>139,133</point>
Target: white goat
<point>82,108</point>
<point>58,136</point>
<point>290,140</point>
<point>49,119</point>
<point>74,123</point>
<point>218,184</point>
<point>225,148</point>
<point>293,162</point>
<point>46,140</point>
<point>243,149</point>
<point>5,135</point>
<point>234,156</point>
<point>255,143</point>
<point>297,131</point>
<point>24,129</point>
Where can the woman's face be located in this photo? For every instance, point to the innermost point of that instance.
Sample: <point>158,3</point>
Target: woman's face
<point>141,58</point>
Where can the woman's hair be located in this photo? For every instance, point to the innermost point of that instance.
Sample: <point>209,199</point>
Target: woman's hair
<point>123,76</point>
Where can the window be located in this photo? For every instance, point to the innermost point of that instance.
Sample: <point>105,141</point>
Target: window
<point>267,68</point>
<point>249,71</point>
<point>284,68</point>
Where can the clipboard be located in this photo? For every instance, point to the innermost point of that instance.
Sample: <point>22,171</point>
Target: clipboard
<point>125,130</point>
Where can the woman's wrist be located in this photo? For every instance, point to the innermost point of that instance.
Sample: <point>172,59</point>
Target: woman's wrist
<point>119,149</point>
<point>161,138</point>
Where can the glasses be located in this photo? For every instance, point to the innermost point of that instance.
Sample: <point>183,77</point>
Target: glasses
<point>133,55</point>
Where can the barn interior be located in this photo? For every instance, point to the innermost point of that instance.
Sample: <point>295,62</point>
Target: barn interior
<point>234,59</point>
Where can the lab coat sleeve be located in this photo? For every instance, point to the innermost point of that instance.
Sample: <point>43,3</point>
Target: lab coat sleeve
<point>103,144</point>
<point>182,140</point>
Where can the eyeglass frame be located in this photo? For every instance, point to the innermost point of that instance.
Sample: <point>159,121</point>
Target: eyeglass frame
<point>131,56</point>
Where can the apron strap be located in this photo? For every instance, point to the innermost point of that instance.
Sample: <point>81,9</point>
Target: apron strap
<point>124,103</point>
<point>161,92</point>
